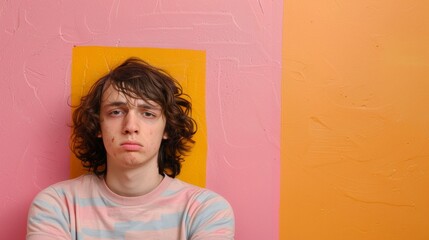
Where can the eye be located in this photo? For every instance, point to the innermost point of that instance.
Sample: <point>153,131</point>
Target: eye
<point>149,115</point>
<point>116,112</point>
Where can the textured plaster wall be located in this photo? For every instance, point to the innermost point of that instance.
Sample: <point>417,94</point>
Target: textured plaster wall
<point>242,40</point>
<point>355,135</point>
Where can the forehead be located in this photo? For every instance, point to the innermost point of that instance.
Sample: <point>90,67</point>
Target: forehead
<point>113,95</point>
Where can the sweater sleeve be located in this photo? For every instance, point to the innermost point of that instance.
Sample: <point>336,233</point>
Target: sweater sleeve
<point>212,218</point>
<point>48,217</point>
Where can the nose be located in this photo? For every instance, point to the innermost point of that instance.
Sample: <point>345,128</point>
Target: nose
<point>130,123</point>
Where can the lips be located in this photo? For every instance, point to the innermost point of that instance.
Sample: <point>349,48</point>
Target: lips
<point>131,146</point>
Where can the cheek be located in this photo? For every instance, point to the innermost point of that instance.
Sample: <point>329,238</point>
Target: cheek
<point>108,139</point>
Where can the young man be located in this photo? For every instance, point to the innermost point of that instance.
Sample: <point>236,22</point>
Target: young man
<point>131,131</point>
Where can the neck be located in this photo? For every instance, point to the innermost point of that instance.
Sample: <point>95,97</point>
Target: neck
<point>132,183</point>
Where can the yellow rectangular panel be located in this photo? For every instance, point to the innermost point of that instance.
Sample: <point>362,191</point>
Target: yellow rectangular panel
<point>186,66</point>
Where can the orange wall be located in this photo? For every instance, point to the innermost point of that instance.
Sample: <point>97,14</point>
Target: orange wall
<point>355,120</point>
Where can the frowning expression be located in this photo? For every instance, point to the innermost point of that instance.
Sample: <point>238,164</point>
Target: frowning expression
<point>132,130</point>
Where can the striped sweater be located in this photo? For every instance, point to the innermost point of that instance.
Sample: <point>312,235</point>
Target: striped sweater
<point>85,208</point>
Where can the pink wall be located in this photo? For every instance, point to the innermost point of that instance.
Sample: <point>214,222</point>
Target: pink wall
<point>242,40</point>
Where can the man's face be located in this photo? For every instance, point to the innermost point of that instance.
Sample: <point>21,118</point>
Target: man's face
<point>132,130</point>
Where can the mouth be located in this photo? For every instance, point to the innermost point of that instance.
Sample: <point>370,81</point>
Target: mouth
<point>131,146</point>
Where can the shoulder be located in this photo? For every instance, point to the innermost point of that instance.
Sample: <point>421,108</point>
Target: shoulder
<point>54,203</point>
<point>197,199</point>
<point>194,193</point>
<point>67,188</point>
<point>51,210</point>
<point>208,213</point>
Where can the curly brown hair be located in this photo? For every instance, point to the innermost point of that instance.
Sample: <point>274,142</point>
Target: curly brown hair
<point>135,78</point>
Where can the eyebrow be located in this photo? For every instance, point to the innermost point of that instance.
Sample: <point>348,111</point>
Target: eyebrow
<point>141,105</point>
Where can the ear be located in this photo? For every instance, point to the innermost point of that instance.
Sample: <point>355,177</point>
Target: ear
<point>99,134</point>
<point>165,136</point>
